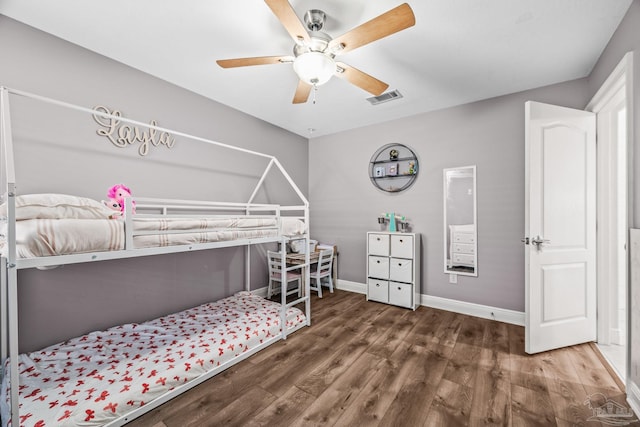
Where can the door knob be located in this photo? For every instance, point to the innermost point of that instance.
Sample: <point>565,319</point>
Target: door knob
<point>538,241</point>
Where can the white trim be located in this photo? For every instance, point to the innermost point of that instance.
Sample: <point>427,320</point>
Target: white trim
<point>621,78</point>
<point>472,309</point>
<point>478,310</point>
<point>633,397</point>
<point>618,78</point>
<point>356,287</point>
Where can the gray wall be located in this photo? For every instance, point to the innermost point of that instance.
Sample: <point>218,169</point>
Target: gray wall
<point>624,40</point>
<point>489,134</point>
<point>59,151</point>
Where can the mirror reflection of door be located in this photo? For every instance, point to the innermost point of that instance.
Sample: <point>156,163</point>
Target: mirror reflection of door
<point>460,229</point>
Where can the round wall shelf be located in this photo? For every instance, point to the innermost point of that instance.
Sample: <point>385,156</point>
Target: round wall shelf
<point>393,168</point>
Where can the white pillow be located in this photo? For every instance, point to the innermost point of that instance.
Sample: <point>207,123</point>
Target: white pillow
<point>57,206</point>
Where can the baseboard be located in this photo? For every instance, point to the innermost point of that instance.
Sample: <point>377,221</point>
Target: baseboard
<point>472,309</point>
<point>633,397</point>
<point>477,310</point>
<point>346,285</point>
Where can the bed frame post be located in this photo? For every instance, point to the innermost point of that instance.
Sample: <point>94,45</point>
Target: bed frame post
<point>9,270</point>
<point>3,312</point>
<point>283,288</point>
<point>12,294</point>
<point>247,266</point>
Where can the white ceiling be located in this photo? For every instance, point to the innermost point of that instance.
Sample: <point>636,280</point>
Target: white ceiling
<point>459,51</point>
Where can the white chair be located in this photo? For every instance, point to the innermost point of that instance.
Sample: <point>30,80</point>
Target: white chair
<point>275,276</point>
<point>322,270</point>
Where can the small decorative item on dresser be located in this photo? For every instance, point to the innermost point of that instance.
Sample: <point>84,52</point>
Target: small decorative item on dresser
<point>393,154</point>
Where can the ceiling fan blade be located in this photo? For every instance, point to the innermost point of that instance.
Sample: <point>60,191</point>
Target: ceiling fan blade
<point>259,60</point>
<point>361,79</point>
<point>390,22</point>
<point>302,92</point>
<point>287,16</point>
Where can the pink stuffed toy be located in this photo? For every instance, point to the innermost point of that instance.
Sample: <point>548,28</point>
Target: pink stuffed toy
<point>116,195</point>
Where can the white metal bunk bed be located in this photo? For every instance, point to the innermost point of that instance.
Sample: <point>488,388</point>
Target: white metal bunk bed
<point>142,240</point>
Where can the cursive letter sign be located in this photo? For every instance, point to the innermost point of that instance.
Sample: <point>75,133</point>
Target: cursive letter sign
<point>124,135</point>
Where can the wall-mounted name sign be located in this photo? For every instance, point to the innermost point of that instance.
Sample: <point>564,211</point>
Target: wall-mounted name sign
<point>123,135</point>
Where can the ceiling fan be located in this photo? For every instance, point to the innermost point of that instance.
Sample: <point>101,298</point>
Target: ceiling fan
<point>314,51</point>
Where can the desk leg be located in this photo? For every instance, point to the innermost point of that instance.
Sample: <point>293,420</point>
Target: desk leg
<point>334,270</point>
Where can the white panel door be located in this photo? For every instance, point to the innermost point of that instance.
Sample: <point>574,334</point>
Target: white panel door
<point>560,214</point>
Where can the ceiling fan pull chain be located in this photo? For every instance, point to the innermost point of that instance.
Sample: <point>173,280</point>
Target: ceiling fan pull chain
<point>315,89</point>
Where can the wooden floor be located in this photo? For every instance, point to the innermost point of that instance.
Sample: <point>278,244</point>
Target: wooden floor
<point>369,364</point>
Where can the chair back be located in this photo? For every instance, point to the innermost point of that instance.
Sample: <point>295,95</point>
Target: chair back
<point>275,264</point>
<point>325,262</point>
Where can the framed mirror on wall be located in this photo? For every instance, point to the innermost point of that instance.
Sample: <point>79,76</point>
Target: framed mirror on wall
<point>460,226</point>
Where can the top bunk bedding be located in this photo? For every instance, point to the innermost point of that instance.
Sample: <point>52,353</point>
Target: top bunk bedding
<point>55,224</point>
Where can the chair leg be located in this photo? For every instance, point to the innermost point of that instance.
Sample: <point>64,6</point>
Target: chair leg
<point>299,287</point>
<point>330,284</point>
<point>270,289</point>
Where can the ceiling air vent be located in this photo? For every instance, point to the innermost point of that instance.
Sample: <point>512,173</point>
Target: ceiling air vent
<point>385,97</point>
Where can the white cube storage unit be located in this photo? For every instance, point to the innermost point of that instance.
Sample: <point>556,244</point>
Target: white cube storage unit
<point>393,268</point>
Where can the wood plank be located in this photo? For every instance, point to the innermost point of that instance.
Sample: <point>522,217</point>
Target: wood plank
<point>280,380</point>
<point>463,364</point>
<point>491,396</point>
<point>531,408</point>
<point>387,343</point>
<point>335,363</point>
<point>423,333</point>
<point>496,336</point>
<point>413,400</point>
<point>449,328</point>
<point>567,399</point>
<point>283,411</point>
<point>557,367</point>
<point>472,331</point>
<point>334,400</point>
<point>451,405</point>
<point>369,407</point>
<point>236,412</point>
<point>586,362</point>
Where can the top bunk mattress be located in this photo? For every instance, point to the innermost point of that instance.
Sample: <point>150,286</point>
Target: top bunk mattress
<point>96,378</point>
<point>61,225</point>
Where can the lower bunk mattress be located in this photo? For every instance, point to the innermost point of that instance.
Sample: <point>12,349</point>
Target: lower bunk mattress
<point>101,376</point>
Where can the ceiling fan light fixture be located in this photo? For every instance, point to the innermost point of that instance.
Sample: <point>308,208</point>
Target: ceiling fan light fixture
<point>314,68</point>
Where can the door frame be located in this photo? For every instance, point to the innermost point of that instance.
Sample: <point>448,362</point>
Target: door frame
<point>621,78</point>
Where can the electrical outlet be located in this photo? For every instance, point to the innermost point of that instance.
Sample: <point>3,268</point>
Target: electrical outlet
<point>453,278</point>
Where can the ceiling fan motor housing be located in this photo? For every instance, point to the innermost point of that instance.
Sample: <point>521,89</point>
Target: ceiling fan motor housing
<point>319,42</point>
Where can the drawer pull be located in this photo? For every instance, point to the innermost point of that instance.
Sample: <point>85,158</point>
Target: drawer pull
<point>377,285</point>
<point>399,264</point>
<point>378,239</point>
<point>399,288</point>
<point>378,261</point>
<point>400,240</point>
